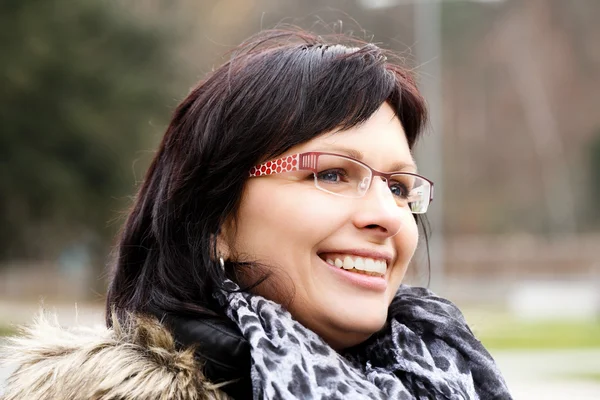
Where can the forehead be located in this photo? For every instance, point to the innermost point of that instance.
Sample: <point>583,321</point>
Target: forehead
<point>380,142</point>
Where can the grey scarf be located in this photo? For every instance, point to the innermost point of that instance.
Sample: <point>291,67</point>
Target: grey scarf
<point>425,351</point>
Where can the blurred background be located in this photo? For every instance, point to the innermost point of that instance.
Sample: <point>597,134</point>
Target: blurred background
<point>87,88</point>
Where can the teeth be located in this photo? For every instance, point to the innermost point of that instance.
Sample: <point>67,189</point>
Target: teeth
<point>348,263</point>
<point>359,263</point>
<point>364,265</point>
<point>370,265</point>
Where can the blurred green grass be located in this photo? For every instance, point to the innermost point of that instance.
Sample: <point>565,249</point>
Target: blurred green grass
<point>6,330</point>
<point>502,331</point>
<point>499,330</point>
<point>584,376</point>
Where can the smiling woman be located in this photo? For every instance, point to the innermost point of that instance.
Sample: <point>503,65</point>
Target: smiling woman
<point>265,252</point>
<point>284,222</point>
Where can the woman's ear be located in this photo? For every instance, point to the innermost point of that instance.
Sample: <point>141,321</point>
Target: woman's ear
<point>223,249</point>
<point>223,239</point>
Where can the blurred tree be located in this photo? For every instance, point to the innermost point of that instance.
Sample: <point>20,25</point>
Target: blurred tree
<point>594,210</point>
<point>81,84</point>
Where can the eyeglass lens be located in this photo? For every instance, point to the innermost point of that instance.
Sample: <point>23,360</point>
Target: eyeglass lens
<point>348,178</point>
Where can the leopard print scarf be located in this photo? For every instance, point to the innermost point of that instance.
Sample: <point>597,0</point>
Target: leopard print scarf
<point>425,351</point>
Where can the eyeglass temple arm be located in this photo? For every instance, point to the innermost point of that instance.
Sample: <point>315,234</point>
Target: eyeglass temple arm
<point>294,162</point>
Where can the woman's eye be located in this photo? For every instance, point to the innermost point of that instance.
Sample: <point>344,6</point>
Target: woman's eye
<point>399,190</point>
<point>331,176</point>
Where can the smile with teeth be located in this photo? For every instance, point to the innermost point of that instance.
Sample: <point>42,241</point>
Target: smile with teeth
<point>361,265</point>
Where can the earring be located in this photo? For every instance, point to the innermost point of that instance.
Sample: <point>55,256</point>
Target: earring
<point>222,263</point>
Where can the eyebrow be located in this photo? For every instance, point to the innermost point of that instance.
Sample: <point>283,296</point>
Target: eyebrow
<point>358,155</point>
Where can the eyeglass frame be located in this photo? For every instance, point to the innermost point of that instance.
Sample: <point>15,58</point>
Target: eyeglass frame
<point>308,162</point>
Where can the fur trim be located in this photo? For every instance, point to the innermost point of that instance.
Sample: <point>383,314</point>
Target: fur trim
<point>134,362</point>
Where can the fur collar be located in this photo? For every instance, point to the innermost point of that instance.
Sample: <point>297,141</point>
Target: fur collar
<point>134,362</point>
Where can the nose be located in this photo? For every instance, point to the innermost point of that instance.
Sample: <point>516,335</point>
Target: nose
<point>378,212</point>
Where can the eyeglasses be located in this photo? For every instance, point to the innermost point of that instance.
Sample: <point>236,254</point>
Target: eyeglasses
<point>347,177</point>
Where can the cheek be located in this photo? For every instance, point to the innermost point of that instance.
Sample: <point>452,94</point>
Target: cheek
<point>406,242</point>
<point>409,238</point>
<point>276,224</point>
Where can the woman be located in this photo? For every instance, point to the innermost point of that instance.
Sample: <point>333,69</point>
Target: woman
<point>265,252</point>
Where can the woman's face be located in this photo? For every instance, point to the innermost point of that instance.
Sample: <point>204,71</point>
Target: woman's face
<point>285,222</point>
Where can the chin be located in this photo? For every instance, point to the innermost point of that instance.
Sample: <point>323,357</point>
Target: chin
<point>355,328</point>
<point>367,324</point>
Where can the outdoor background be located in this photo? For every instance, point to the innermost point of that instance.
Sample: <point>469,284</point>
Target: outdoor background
<point>87,88</point>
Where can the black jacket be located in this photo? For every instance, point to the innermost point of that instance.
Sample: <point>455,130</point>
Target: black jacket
<point>221,348</point>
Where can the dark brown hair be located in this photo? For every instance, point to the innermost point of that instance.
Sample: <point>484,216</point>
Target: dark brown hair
<point>279,89</point>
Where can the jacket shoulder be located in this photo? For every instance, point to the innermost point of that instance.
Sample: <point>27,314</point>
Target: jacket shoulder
<point>136,361</point>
